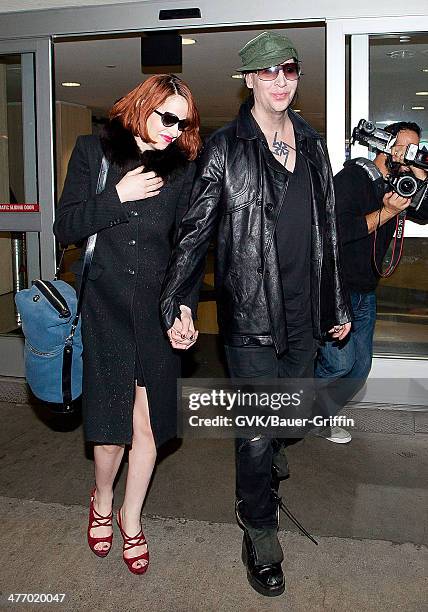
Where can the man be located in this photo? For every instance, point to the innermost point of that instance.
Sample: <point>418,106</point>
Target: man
<point>264,189</point>
<point>366,220</point>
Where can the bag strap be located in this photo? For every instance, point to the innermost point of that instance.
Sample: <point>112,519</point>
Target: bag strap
<point>90,247</point>
<point>373,172</point>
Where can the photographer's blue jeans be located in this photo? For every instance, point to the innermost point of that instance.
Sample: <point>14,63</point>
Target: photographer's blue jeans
<point>349,360</point>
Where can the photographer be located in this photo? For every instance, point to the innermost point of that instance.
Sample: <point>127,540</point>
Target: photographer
<point>367,221</point>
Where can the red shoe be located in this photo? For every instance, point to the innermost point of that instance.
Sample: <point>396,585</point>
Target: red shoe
<point>129,543</point>
<point>97,520</point>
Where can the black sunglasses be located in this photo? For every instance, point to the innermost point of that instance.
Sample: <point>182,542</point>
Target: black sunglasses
<point>291,72</point>
<point>169,119</point>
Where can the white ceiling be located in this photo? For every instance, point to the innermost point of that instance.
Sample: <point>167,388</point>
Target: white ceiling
<point>207,68</point>
<point>394,81</point>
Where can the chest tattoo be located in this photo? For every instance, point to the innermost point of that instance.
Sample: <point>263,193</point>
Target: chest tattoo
<point>280,148</point>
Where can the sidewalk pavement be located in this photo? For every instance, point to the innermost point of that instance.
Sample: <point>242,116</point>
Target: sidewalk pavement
<point>195,567</point>
<point>365,502</point>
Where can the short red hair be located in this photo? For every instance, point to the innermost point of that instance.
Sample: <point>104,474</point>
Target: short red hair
<point>134,109</point>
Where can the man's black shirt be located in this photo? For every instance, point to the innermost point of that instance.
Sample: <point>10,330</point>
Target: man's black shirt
<point>293,240</point>
<point>356,198</point>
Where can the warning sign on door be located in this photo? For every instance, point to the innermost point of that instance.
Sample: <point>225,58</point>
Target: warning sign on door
<point>19,207</point>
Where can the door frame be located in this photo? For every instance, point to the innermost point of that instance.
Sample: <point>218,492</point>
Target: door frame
<point>11,347</point>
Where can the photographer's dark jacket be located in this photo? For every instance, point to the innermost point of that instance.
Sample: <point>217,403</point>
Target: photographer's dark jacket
<point>356,197</point>
<point>236,199</point>
<point>120,317</point>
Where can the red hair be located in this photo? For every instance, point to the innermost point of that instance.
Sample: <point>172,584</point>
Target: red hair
<point>134,109</point>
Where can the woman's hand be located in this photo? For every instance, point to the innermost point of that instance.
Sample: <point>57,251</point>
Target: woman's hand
<point>182,334</point>
<point>138,185</point>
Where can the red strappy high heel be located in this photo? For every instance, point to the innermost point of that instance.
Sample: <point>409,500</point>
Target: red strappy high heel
<point>97,520</point>
<point>129,543</point>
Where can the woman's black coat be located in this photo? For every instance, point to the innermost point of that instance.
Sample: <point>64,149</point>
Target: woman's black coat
<point>120,315</point>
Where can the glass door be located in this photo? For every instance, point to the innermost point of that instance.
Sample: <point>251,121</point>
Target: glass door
<point>377,69</point>
<point>398,91</point>
<point>27,249</point>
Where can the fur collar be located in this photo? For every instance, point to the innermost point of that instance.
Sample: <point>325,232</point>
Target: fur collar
<point>120,148</point>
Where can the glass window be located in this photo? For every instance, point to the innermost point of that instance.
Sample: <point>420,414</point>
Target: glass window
<point>399,92</point>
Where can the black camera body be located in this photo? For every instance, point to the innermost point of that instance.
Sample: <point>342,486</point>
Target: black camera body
<point>405,184</point>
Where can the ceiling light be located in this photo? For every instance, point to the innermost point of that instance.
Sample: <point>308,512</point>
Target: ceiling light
<point>188,41</point>
<point>237,76</point>
<point>404,39</point>
<point>424,69</point>
<point>418,107</point>
<point>422,93</point>
<point>297,110</point>
<point>70,84</point>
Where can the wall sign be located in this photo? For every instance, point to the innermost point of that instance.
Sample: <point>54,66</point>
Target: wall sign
<point>5,207</point>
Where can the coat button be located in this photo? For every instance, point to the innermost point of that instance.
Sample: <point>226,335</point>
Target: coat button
<point>259,270</point>
<point>269,206</point>
<point>132,243</point>
<point>134,213</point>
<point>259,201</point>
<point>131,271</point>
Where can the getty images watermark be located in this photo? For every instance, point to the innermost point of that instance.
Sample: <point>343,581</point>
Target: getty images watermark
<point>280,408</point>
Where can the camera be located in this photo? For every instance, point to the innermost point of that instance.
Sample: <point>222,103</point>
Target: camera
<point>366,133</point>
<point>405,184</point>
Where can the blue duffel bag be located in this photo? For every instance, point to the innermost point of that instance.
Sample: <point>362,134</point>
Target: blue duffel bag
<point>53,341</point>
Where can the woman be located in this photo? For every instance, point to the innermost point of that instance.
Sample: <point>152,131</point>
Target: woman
<point>130,371</point>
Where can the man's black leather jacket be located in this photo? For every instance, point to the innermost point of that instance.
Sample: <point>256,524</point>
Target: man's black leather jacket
<point>236,199</point>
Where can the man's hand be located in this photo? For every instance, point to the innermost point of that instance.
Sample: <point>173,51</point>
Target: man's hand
<point>339,332</point>
<point>398,153</point>
<point>419,173</point>
<point>182,334</point>
<point>394,204</point>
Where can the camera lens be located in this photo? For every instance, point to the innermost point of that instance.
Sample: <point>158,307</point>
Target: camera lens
<point>369,127</point>
<point>406,186</point>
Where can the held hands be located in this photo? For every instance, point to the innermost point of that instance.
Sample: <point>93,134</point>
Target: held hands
<point>339,332</point>
<point>138,185</point>
<point>182,334</point>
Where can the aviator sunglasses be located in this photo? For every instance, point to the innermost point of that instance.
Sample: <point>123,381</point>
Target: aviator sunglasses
<point>169,119</point>
<point>291,72</point>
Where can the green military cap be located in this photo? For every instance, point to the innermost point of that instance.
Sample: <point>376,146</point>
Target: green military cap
<point>266,50</point>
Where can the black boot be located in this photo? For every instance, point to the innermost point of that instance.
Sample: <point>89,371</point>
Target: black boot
<point>262,555</point>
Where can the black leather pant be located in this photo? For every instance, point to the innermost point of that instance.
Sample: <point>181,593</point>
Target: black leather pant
<point>255,456</point>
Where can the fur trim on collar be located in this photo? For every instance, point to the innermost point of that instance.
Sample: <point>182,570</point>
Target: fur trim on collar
<point>120,148</point>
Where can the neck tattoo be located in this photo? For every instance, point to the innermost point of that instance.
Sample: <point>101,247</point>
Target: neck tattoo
<point>280,148</point>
